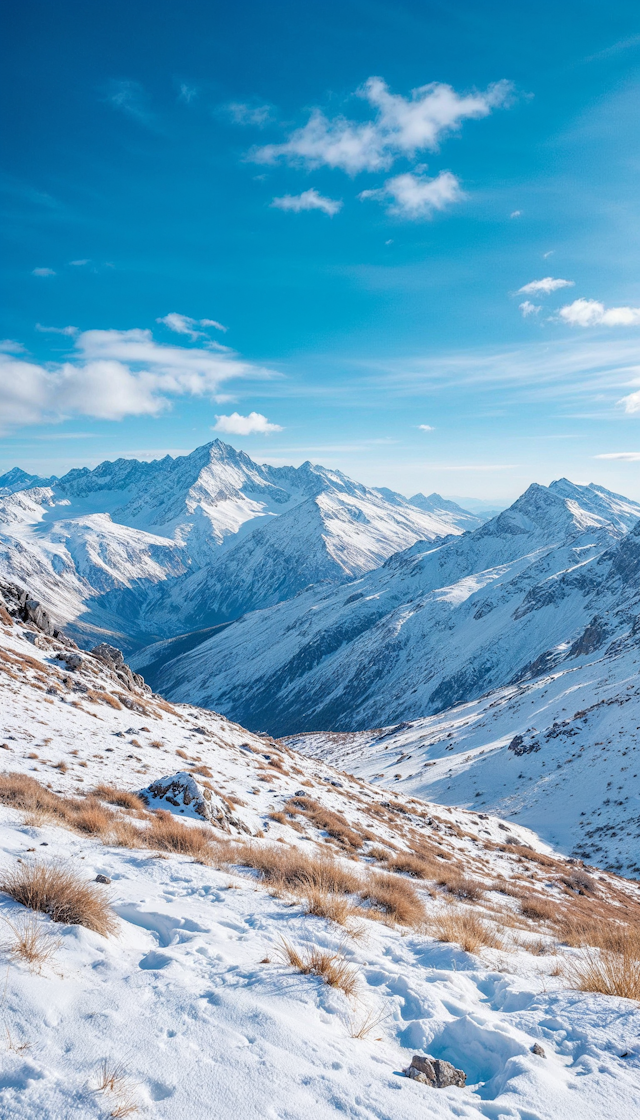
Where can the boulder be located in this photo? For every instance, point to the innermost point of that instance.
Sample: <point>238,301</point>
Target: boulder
<point>435,1072</point>
<point>181,794</point>
<point>113,658</point>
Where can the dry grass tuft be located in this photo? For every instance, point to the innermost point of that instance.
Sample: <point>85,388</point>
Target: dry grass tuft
<point>466,929</point>
<point>409,864</point>
<point>329,821</point>
<point>538,909</point>
<point>289,869</point>
<point>610,974</point>
<point>171,835</point>
<point>612,937</point>
<point>395,898</point>
<point>334,907</point>
<point>59,892</point>
<point>331,968</point>
<point>121,797</point>
<point>30,941</point>
<point>362,1025</point>
<point>461,887</point>
<point>113,1079</point>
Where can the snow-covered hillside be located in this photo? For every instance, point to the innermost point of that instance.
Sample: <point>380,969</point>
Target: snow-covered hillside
<point>560,754</point>
<point>191,1006</point>
<point>437,624</point>
<point>142,551</point>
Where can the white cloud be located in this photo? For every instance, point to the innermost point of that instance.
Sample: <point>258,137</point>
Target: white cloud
<point>631,402</point>
<point>78,264</point>
<point>402,126</point>
<point>237,425</point>
<point>426,428</point>
<point>187,93</point>
<point>591,313</point>
<point>113,374</point>
<point>183,324</point>
<point>56,330</point>
<point>545,286</point>
<point>43,272</point>
<point>256,115</point>
<point>414,196</point>
<point>308,200</point>
<point>527,308</point>
<point>130,98</point>
<point>625,456</point>
<point>516,214</point>
<point>545,256</point>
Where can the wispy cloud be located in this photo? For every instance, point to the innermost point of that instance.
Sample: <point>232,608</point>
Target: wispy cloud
<point>130,98</point>
<point>400,126</point>
<point>43,272</point>
<point>515,214</point>
<point>545,286</point>
<point>237,425</point>
<point>625,456</point>
<point>183,324</point>
<point>78,264</point>
<point>426,428</point>
<point>70,331</point>
<point>527,308</point>
<point>592,313</point>
<point>113,374</point>
<point>187,94</point>
<point>249,115</point>
<point>308,200</point>
<point>414,196</point>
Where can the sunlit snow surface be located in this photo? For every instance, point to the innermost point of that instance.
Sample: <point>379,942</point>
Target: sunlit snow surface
<point>183,998</point>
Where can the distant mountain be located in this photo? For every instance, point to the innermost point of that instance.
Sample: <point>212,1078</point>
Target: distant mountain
<point>145,551</point>
<point>447,510</point>
<point>17,479</point>
<point>434,626</point>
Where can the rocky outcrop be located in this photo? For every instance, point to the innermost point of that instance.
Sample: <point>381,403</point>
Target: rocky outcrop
<point>20,605</point>
<point>182,793</point>
<point>113,658</point>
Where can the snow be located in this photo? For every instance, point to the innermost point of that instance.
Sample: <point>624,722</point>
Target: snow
<point>190,996</point>
<point>437,624</point>
<point>145,551</point>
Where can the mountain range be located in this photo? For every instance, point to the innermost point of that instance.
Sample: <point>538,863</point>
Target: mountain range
<point>442,622</point>
<point>140,551</point>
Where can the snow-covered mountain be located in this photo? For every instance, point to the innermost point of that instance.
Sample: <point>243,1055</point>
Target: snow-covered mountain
<point>447,510</point>
<point>142,551</point>
<point>436,625</point>
<point>159,984</point>
<point>17,479</point>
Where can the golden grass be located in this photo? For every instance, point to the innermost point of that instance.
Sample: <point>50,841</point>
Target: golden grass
<point>538,909</point>
<point>171,835</point>
<point>334,907</point>
<point>394,898</point>
<point>121,797</point>
<point>329,967</point>
<point>290,868</point>
<point>460,886</point>
<point>30,941</point>
<point>612,937</point>
<point>113,1079</point>
<point>407,863</point>
<point>329,821</point>
<point>60,893</point>
<point>610,974</point>
<point>467,929</point>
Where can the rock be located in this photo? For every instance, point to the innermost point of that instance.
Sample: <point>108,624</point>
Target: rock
<point>183,794</point>
<point>435,1072</point>
<point>113,658</point>
<point>71,660</point>
<point>102,879</point>
<point>538,1049</point>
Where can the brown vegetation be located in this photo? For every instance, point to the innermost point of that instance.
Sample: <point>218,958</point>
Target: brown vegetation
<point>395,898</point>
<point>467,929</point>
<point>60,893</point>
<point>30,941</point>
<point>331,968</point>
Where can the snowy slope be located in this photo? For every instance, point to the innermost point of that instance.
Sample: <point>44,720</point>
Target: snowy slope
<point>149,550</point>
<point>447,510</point>
<point>189,999</point>
<point>435,625</point>
<point>560,754</point>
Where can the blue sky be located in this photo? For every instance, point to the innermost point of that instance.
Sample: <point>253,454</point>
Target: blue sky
<point>399,239</point>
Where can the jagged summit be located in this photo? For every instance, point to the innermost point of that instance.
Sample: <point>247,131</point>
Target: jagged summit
<point>140,551</point>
